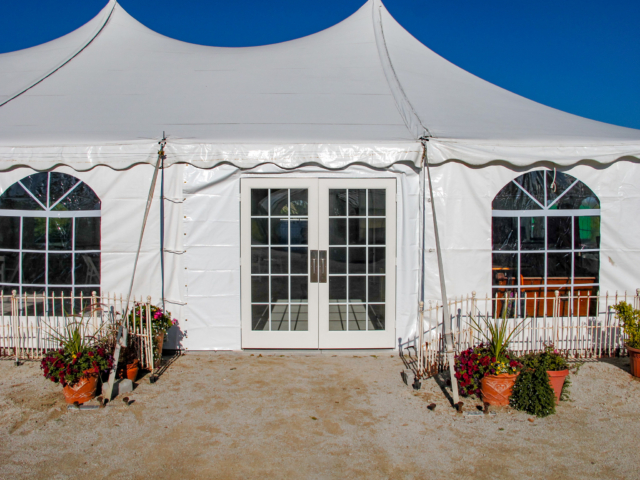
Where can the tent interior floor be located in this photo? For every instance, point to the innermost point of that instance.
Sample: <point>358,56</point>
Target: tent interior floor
<point>238,415</point>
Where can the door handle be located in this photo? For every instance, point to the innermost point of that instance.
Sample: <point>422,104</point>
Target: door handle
<point>314,266</point>
<point>323,266</point>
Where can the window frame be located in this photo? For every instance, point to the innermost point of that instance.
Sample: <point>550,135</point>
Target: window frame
<point>48,213</point>
<point>544,211</point>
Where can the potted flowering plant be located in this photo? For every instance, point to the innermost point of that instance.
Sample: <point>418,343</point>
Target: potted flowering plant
<point>161,322</point>
<point>630,318</point>
<point>476,362</point>
<point>500,375</point>
<point>78,364</point>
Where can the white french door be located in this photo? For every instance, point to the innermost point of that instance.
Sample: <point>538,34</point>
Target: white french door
<point>318,263</point>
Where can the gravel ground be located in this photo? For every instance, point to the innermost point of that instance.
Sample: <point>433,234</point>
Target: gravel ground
<point>312,415</point>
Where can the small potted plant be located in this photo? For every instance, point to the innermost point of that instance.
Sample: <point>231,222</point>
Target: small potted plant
<point>538,388</point>
<point>161,322</point>
<point>630,318</point>
<point>78,364</point>
<point>497,383</point>
<point>129,364</point>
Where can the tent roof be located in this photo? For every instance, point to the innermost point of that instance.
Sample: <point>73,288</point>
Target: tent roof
<point>362,90</point>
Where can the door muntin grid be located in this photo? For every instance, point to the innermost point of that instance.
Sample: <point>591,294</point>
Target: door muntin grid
<point>279,259</point>
<point>357,259</point>
<point>545,237</point>
<point>50,236</point>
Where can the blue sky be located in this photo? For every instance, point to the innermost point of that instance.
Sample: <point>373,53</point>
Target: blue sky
<point>581,56</point>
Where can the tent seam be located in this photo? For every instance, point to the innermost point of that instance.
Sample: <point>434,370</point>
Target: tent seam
<point>66,61</point>
<point>386,55</point>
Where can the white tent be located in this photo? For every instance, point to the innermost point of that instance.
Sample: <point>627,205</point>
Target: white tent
<point>352,101</point>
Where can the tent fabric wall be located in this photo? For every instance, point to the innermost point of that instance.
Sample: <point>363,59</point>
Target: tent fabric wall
<point>123,195</point>
<point>463,198</point>
<point>212,244</point>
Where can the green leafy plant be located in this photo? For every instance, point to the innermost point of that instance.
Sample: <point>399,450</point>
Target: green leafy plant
<point>499,334</point>
<point>532,391</point>
<point>630,318</point>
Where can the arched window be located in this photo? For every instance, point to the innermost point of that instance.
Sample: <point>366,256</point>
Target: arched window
<point>50,236</point>
<point>545,238</point>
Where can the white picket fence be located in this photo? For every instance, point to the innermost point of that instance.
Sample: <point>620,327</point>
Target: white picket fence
<point>27,322</point>
<point>579,326</point>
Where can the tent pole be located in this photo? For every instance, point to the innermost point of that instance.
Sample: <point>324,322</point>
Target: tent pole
<point>152,189</point>
<point>448,335</point>
<point>164,309</point>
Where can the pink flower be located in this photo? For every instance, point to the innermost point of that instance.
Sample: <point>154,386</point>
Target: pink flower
<point>174,321</point>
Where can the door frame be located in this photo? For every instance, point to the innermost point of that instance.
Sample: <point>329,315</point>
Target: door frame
<point>361,339</point>
<point>275,339</point>
<point>318,336</point>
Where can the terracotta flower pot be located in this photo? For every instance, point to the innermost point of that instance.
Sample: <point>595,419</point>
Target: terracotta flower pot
<point>634,357</point>
<point>84,390</point>
<point>496,389</point>
<point>130,370</point>
<point>160,343</point>
<point>556,379</point>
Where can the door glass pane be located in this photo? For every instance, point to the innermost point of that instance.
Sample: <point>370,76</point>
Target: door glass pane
<point>376,260</point>
<point>337,203</point>
<point>279,202</point>
<point>357,317</point>
<point>357,289</point>
<point>259,201</point>
<point>299,231</point>
<point>357,260</point>
<point>299,289</point>
<point>337,231</point>
<point>279,231</point>
<point>376,289</point>
<point>259,317</point>
<point>376,317</point>
<point>377,202</point>
<point>357,231</point>
<point>279,294</point>
<point>279,260</point>
<point>364,257</point>
<point>259,260</point>
<point>357,203</point>
<point>260,289</point>
<point>337,317</point>
<point>338,260</point>
<point>299,260</point>
<point>300,318</point>
<point>299,202</point>
<point>377,231</point>
<point>337,289</point>
<point>280,317</point>
<point>259,231</point>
